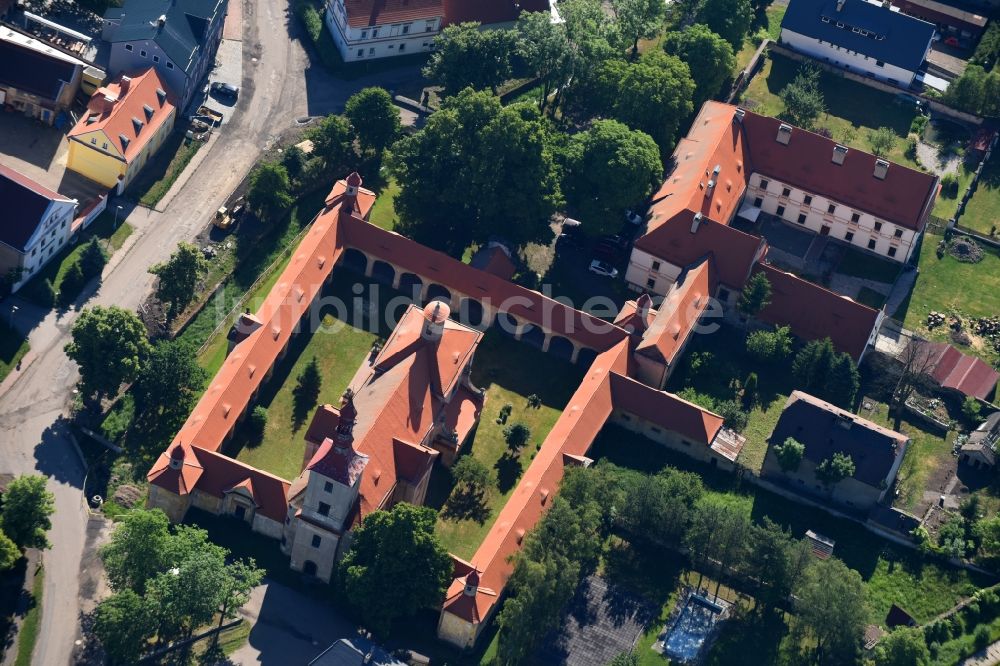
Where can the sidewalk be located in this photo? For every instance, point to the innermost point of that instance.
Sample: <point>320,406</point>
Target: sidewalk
<point>987,657</point>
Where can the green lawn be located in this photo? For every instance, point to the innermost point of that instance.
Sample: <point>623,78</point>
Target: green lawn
<point>730,360</point>
<point>982,213</point>
<point>551,379</point>
<point>160,173</point>
<point>769,23</point>
<point>28,634</point>
<point>947,284</point>
<point>103,228</point>
<point>383,213</point>
<point>13,347</point>
<point>852,109</point>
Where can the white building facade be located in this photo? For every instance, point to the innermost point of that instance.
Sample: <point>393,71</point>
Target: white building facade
<point>847,59</point>
<point>395,33</point>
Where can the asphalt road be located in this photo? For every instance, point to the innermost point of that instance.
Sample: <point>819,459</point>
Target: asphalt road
<point>280,84</point>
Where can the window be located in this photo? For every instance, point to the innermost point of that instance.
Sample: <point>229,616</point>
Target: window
<point>104,145</point>
<point>892,252</point>
<point>33,252</point>
<point>654,429</point>
<point>763,184</point>
<point>406,29</point>
<point>328,487</point>
<point>361,53</point>
<point>879,63</point>
<point>685,442</point>
<point>780,212</point>
<point>849,236</point>
<point>371,51</point>
<point>324,509</point>
<point>878,226</point>
<point>807,199</point>
<point>651,283</point>
<point>758,202</point>
<point>831,209</point>
<point>364,34</point>
<point>855,217</point>
<point>802,218</point>
<point>170,65</point>
<point>429,27</point>
<point>375,33</point>
<point>128,47</point>
<point>656,265</point>
<point>402,47</point>
<point>156,58</point>
<point>785,192</point>
<point>871,243</point>
<point>142,53</point>
<point>898,233</point>
<point>317,540</point>
<point>723,294</point>
<point>93,140</point>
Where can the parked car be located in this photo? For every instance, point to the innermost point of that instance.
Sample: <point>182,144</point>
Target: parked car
<point>570,222</point>
<point>568,240</point>
<point>603,268</point>
<point>226,89</point>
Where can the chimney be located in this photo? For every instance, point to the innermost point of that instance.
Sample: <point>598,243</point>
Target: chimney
<point>471,583</point>
<point>740,114</point>
<point>162,21</point>
<point>840,5</point>
<point>124,84</point>
<point>177,457</point>
<point>784,134</point>
<point>839,153</point>
<point>642,306</point>
<point>881,169</point>
<point>108,103</point>
<point>695,221</point>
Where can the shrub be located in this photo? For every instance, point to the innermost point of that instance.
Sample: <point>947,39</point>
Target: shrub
<point>770,346</point>
<point>257,423</point>
<point>516,435</point>
<point>732,414</point>
<point>918,124</point>
<point>949,186</point>
<point>971,409</point>
<point>71,284</point>
<point>982,636</point>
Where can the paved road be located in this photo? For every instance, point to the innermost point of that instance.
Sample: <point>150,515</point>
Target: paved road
<point>280,85</point>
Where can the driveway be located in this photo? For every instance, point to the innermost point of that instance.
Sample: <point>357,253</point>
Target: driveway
<point>288,627</point>
<point>279,85</point>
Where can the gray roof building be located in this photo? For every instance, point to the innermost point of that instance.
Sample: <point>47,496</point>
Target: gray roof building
<point>355,652</point>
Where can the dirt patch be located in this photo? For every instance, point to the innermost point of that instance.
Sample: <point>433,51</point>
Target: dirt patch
<point>128,495</point>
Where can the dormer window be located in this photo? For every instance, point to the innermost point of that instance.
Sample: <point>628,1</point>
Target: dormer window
<point>125,141</point>
<point>136,125</point>
<point>161,95</point>
<point>148,110</point>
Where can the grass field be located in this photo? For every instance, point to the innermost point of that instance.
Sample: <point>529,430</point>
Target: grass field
<point>28,634</point>
<point>982,213</point>
<point>160,173</point>
<point>770,23</point>
<point>534,372</point>
<point>947,284</point>
<point>383,213</point>
<point>109,236</point>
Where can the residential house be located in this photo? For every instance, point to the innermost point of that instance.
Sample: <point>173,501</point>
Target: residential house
<point>951,20</point>
<point>490,12</point>
<point>980,449</point>
<point>37,223</point>
<point>369,29</point>
<point>178,38</point>
<point>126,122</point>
<point>824,430</point>
<point>861,36</point>
<point>356,651</point>
<point>37,80</point>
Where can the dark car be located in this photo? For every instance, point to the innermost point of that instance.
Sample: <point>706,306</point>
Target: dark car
<point>226,89</point>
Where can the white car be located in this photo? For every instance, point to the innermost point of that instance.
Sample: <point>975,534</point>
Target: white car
<point>603,268</point>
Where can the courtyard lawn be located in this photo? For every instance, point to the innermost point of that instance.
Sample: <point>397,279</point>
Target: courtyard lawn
<point>982,213</point>
<point>163,170</point>
<point>729,361</point>
<point>852,109</point>
<point>13,347</point>
<point>552,380</point>
<point>110,238</point>
<point>383,213</point>
<point>947,284</point>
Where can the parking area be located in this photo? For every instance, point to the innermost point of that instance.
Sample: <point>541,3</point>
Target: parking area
<point>39,152</point>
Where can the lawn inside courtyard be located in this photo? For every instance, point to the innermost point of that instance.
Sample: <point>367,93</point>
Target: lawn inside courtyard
<point>948,285</point>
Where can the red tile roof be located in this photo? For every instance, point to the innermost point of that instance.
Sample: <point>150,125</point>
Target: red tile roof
<point>494,260</point>
<point>338,461</point>
<point>179,480</point>
<point>680,311</point>
<point>679,415</point>
<point>814,313</point>
<point>490,11</point>
<point>967,374</point>
<point>361,13</point>
<point>903,197</point>
<point>117,118</point>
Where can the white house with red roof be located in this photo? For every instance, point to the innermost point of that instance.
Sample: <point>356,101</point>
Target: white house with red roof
<point>37,222</point>
<point>369,29</point>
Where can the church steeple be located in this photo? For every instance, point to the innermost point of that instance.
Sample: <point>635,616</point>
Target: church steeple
<point>348,415</point>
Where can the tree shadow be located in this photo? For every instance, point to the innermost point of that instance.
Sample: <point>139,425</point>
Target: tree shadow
<point>509,470</point>
<point>467,504</point>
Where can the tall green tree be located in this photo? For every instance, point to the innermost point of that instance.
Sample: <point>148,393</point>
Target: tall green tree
<point>730,19</point>
<point>826,373</point>
<point>93,259</point>
<point>124,623</point>
<point>658,508</point>
<point>904,646</point>
<point>468,56</point>
<point>830,601</point>
<point>546,50</point>
<point>188,595</point>
<point>610,168</point>
<point>179,277</point>
<point>138,550</point>
<point>709,57</point>
<point>802,98</point>
<point>168,387</point>
<point>110,346</point>
<point>333,142</point>
<point>755,296</point>
<point>638,19</point>
<point>242,576</point>
<point>26,511</point>
<point>269,194</point>
<point>775,561</point>
<point>396,565</point>
<point>835,469</point>
<point>882,141</point>
<point>9,552</point>
<point>374,117</point>
<point>789,454</point>
<point>459,174</point>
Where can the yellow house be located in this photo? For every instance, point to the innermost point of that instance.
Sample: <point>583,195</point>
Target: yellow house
<point>126,122</point>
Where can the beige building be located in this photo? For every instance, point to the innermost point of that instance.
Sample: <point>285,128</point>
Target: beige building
<point>36,80</point>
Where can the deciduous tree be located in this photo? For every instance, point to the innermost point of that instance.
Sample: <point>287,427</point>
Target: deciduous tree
<point>124,623</point>
<point>789,454</point>
<point>9,552</point>
<point>374,117</point>
<point>546,50</point>
<point>110,346</point>
<point>638,19</point>
<point>137,551</point>
<point>835,469</point>
<point>333,141</point>
<point>396,565</point>
<point>25,514</point>
<point>830,601</point>
<point>802,98</point>
<point>770,346</point>
<point>709,57</point>
<point>269,194</point>
<point>179,277</point>
<point>755,296</point>
<point>467,56</point>
<point>168,387</point>
<point>882,140</point>
<point>904,646</point>
<point>730,19</point>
